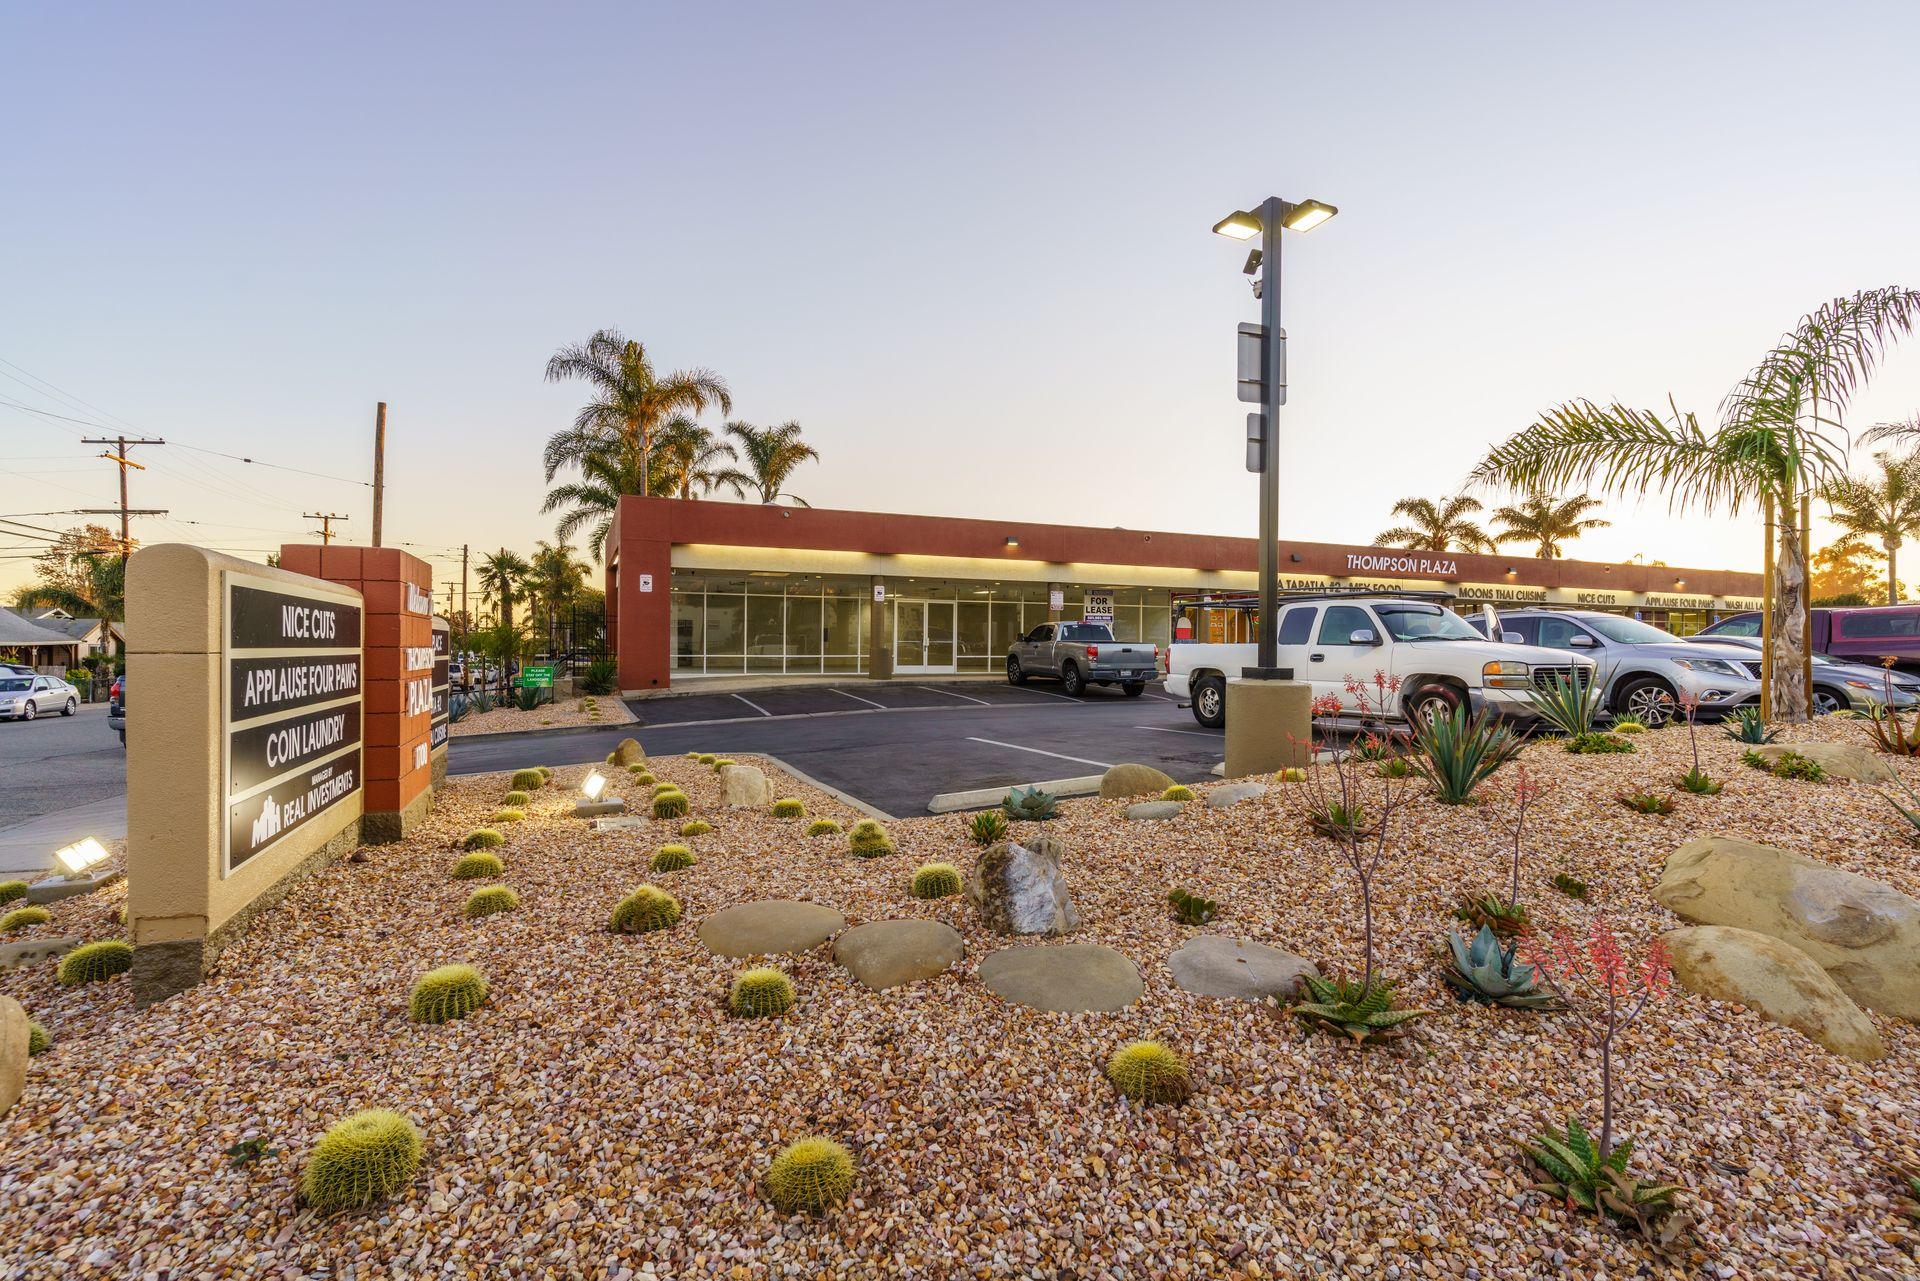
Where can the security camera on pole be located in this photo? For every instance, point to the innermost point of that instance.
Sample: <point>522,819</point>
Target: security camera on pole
<point>1269,720</point>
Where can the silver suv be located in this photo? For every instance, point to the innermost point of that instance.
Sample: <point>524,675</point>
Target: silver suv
<point>1642,669</point>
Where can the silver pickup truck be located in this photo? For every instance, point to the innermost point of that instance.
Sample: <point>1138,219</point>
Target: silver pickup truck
<point>1082,654</point>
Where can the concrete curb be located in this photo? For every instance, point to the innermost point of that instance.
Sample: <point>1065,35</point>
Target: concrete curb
<point>871,811</point>
<point>987,797</point>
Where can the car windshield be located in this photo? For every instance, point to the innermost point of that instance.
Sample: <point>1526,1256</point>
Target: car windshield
<point>1627,631</point>
<point>1424,622</point>
<point>14,685</point>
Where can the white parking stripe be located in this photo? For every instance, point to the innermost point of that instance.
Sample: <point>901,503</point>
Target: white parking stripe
<point>949,693</point>
<point>1163,698</point>
<point>1162,729</point>
<point>755,706</point>
<point>856,698</point>
<point>1049,693</point>
<point>1081,760</point>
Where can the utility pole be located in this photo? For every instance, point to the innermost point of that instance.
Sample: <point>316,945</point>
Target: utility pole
<point>120,458</point>
<point>379,467</point>
<point>326,520</point>
<point>463,595</point>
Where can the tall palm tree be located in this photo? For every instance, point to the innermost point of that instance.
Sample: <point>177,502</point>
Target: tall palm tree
<point>1547,522</point>
<point>1444,526</point>
<point>501,574</point>
<point>771,454</point>
<point>1886,507</point>
<point>592,500</point>
<point>1774,441</point>
<point>555,578</point>
<point>689,457</point>
<point>631,402</point>
<point>96,587</point>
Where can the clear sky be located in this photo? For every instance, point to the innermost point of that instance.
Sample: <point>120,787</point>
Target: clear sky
<point>966,246</point>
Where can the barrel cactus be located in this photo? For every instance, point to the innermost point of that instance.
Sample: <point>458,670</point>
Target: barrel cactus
<point>21,917</point>
<point>477,867</point>
<point>641,776</point>
<point>39,1040</point>
<point>695,827</point>
<point>1148,1072</point>
<point>643,911</point>
<point>450,992</point>
<point>671,858</point>
<point>868,840</point>
<point>721,762</point>
<point>515,800</point>
<point>671,805</point>
<point>508,815</point>
<point>365,1158</point>
<point>761,993</point>
<point>11,890</point>
<point>546,773</point>
<point>483,838</point>
<point>660,789</point>
<point>707,758</point>
<point>93,962</point>
<point>1290,774</point>
<point>528,780</point>
<point>823,827</point>
<point>935,880</point>
<point>1178,792</point>
<point>788,807</point>
<point>810,1176</point>
<point>492,899</point>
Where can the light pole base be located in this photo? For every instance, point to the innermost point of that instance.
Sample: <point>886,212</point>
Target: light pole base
<point>1266,673</point>
<point>1269,724</point>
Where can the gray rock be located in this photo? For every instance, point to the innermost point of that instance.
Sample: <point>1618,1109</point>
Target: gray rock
<point>34,951</point>
<point>1067,978</point>
<point>771,927</point>
<point>599,809</point>
<point>1232,794</point>
<point>1133,780</point>
<point>55,888</point>
<point>1775,980</point>
<point>622,823</point>
<point>744,787</point>
<point>1215,965</point>
<point>884,954</point>
<point>1021,889</point>
<point>1154,809</point>
<point>628,752</point>
<point>13,1053</point>
<point>1842,760</point>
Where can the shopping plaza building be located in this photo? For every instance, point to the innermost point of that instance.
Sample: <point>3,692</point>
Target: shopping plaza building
<point>701,589</point>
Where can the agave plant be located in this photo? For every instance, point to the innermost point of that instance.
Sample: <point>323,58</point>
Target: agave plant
<point>1909,813</point>
<point>1505,917</point>
<point>1747,725</point>
<point>1457,752</point>
<point>1191,909</point>
<point>1030,804</point>
<point>1363,1012</point>
<point>1697,782</point>
<point>1567,705</point>
<point>1338,822</point>
<point>1578,1173</point>
<point>1645,802</point>
<point>987,828</point>
<point>1483,972</point>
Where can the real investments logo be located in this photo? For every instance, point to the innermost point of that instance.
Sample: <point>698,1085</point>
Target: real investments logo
<point>267,826</point>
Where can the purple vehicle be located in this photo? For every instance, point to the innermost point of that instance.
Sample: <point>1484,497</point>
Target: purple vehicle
<point>1867,634</point>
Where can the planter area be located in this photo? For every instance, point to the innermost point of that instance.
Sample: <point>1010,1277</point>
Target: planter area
<point>567,713</point>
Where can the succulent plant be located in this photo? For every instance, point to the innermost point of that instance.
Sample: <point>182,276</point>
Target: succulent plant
<point>11,890</point>
<point>39,1040</point>
<point>450,992</point>
<point>695,827</point>
<point>92,962</point>
<point>1483,972</point>
<point>721,762</point>
<point>1795,766</point>
<point>671,805</point>
<point>1578,1174</point>
<point>788,807</point>
<point>1596,743</point>
<point>1290,774</point>
<point>823,827</point>
<point>760,993</point>
<point>477,867</point>
<point>1149,1072</point>
<point>809,1176</point>
<point>487,901</point>
<point>1393,767</point>
<point>515,800</point>
<point>935,880</point>
<point>21,917</point>
<point>989,827</point>
<point>1487,909</point>
<point>1697,782</point>
<point>641,776</point>
<point>1030,804</point>
<point>1337,822</point>
<point>1629,725</point>
<point>367,1157</point>
<point>1753,760</point>
<point>1365,1014</point>
<point>643,911</point>
<point>528,780</point>
<point>483,838</point>
<point>508,815</point>
<point>1178,792</point>
<point>1191,909</point>
<point>1571,886</point>
<point>1747,725</point>
<point>706,758</point>
<point>869,840</point>
<point>1645,802</point>
<point>671,858</point>
<point>546,772</point>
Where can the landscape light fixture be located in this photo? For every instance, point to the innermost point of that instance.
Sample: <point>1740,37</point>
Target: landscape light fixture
<point>1012,541</point>
<point>76,858</point>
<point>596,783</point>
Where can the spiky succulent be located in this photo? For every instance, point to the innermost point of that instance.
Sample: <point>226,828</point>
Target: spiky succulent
<point>93,962</point>
<point>367,1157</point>
<point>1747,725</point>
<point>1484,972</point>
<point>1343,1008</point>
<point>515,800</point>
<point>1699,783</point>
<point>21,917</point>
<point>1595,742</point>
<point>1801,768</point>
<point>869,840</point>
<point>641,776</point>
<point>721,762</point>
<point>39,1040</point>
<point>989,827</point>
<point>508,815</point>
<point>1149,1072</point>
<point>788,807</point>
<point>1645,802</point>
<point>1629,725</point>
<point>1578,1174</point>
<point>671,805</point>
<point>643,911</point>
<point>935,880</point>
<point>486,902</point>
<point>1030,804</point>
<point>528,780</point>
<point>1178,792</point>
<point>1571,886</point>
<point>477,867</point>
<point>1290,774</point>
<point>823,827</point>
<point>11,890</point>
<point>450,992</point>
<point>706,758</point>
<point>1191,909</point>
<point>666,785</point>
<point>695,827</point>
<point>672,858</point>
<point>760,993</point>
<point>1487,909</point>
<point>483,838</point>
<point>546,772</point>
<point>1338,822</point>
<point>809,1177</point>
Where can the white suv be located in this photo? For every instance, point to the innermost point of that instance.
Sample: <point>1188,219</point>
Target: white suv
<point>1442,662</point>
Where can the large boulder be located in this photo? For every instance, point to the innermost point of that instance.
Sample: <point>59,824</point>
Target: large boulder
<point>13,1053</point>
<point>884,954</point>
<point>1133,780</point>
<point>1021,889</point>
<point>744,787</point>
<point>1216,965</point>
<point>1864,934</point>
<point>1842,760</point>
<point>628,752</point>
<point>1775,980</point>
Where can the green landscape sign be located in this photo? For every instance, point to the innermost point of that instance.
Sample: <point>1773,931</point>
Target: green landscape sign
<point>536,677</point>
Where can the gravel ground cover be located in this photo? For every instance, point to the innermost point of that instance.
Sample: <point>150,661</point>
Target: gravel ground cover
<point>567,713</point>
<point>601,1116</point>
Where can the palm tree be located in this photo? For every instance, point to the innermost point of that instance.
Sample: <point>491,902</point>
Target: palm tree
<point>593,499</point>
<point>555,577</point>
<point>1547,521</point>
<point>1437,527</point>
<point>1886,508</point>
<point>631,403</point>
<point>771,455</point>
<point>501,574</point>
<point>1773,445</point>
<point>690,457</point>
<point>95,587</point>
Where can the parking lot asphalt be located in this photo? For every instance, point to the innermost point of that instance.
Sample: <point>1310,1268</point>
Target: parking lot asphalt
<point>893,745</point>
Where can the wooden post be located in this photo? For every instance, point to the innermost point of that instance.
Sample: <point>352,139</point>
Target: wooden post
<point>1766,616</point>
<point>379,467</point>
<point>1806,594</point>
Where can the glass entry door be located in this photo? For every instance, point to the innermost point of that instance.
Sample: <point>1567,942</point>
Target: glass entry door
<point>923,637</point>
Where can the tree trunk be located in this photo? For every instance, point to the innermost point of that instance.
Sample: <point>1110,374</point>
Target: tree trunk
<point>1893,581</point>
<point>1787,657</point>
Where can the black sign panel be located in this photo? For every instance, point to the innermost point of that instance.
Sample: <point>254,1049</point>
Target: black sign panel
<point>263,619</point>
<point>269,686</point>
<point>262,819</point>
<point>442,653</point>
<point>259,752</point>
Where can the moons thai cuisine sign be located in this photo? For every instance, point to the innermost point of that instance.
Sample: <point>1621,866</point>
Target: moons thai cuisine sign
<point>291,720</point>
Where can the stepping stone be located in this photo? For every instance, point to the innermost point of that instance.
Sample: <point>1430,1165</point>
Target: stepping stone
<point>1221,797</point>
<point>771,927</point>
<point>1216,965</point>
<point>34,951</point>
<point>884,954</point>
<point>1154,809</point>
<point>1067,978</point>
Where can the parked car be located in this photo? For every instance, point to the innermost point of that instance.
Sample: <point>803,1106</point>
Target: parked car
<point>1864,634</point>
<point>25,697</point>
<point>1082,654</point>
<point>1643,670</point>
<point>117,708</point>
<point>1837,684</point>
<point>16,669</point>
<point>1442,662</point>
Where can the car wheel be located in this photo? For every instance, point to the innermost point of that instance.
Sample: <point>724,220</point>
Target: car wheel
<point>1072,681</point>
<point>1647,700</point>
<point>1014,675</point>
<point>1210,701</point>
<point>1133,689</point>
<point>1826,701</point>
<point>29,711</point>
<point>1433,703</point>
<point>70,708</point>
